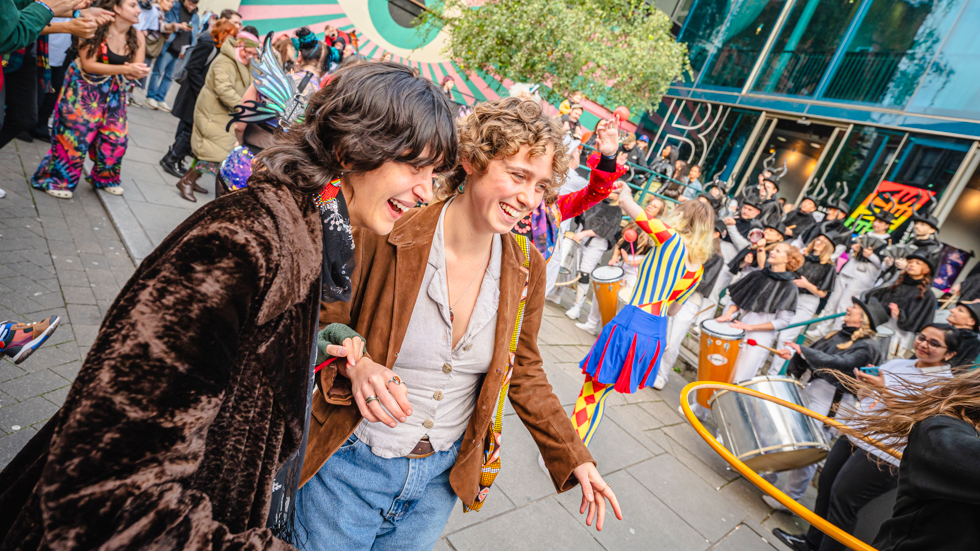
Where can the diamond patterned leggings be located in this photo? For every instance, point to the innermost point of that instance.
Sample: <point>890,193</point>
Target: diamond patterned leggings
<point>589,408</point>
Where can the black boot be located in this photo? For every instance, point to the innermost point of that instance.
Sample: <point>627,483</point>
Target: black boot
<point>797,543</point>
<point>171,165</point>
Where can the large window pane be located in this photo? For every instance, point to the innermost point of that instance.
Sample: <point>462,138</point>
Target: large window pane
<point>891,49</point>
<point>861,162</point>
<point>952,85</point>
<point>806,45</point>
<point>704,29</point>
<point>742,42</point>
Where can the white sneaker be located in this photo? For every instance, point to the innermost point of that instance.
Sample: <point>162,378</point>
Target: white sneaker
<point>771,501</point>
<point>574,312</point>
<point>542,465</point>
<point>2,194</point>
<point>554,297</point>
<point>152,103</point>
<point>587,328</point>
<point>162,105</point>
<point>661,381</point>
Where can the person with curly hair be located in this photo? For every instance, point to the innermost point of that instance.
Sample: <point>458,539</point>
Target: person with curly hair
<point>909,300</point>
<point>449,306</point>
<point>184,427</point>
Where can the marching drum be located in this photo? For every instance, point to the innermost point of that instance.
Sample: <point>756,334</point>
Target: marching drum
<point>719,348</point>
<point>884,338</point>
<point>606,282</point>
<point>625,294</point>
<point>767,437</point>
<point>571,252</point>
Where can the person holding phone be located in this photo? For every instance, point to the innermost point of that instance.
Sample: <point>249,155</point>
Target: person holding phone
<point>856,472</point>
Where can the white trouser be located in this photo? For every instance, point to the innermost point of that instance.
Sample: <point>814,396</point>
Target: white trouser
<point>821,395</point>
<point>901,341</point>
<point>806,306</point>
<point>752,358</point>
<point>724,277</point>
<point>591,255</point>
<point>557,258</point>
<point>677,327</point>
<point>839,301</point>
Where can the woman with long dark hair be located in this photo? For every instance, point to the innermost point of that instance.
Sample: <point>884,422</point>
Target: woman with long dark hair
<point>91,115</point>
<point>909,300</point>
<point>856,472</point>
<point>196,390</point>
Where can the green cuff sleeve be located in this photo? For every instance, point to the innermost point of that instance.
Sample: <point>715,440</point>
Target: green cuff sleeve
<point>335,333</point>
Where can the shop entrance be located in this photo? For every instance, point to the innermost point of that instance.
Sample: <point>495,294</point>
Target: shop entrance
<point>798,151</point>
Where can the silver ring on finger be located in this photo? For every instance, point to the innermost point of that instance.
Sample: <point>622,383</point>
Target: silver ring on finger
<point>369,399</point>
<point>394,379</point>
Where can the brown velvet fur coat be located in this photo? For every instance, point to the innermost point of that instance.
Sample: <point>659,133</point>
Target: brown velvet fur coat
<point>191,397</point>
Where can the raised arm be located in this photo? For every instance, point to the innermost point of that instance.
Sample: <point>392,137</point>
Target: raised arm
<point>602,181</point>
<point>657,230</point>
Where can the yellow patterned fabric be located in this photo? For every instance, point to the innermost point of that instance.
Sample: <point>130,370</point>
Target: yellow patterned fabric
<point>491,442</point>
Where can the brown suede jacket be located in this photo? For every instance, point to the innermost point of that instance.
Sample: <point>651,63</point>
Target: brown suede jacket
<point>192,396</point>
<point>386,284</point>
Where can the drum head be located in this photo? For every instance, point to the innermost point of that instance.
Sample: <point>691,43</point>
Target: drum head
<point>606,274</point>
<point>722,330</point>
<point>884,331</point>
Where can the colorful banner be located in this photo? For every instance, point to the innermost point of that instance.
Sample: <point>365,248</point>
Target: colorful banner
<point>950,267</point>
<point>905,198</point>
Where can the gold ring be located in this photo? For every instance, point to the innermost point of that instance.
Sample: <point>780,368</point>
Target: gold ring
<point>395,379</point>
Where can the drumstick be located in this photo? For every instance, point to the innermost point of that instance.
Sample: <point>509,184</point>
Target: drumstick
<point>947,302</point>
<point>710,306</point>
<point>752,342</point>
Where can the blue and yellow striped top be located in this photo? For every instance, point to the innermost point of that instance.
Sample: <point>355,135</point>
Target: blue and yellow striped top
<point>664,278</point>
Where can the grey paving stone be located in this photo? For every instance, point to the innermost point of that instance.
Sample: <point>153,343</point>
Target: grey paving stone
<point>78,295</point>
<point>81,314</point>
<point>11,444</point>
<point>637,417</point>
<point>26,413</point>
<point>684,435</point>
<point>49,356</point>
<point>34,384</point>
<point>8,370</point>
<point>69,370</point>
<point>85,334</point>
<point>743,538</point>
<point>443,545</point>
<point>73,278</point>
<point>520,478</point>
<point>614,448</point>
<point>58,396</point>
<point>703,507</point>
<point>647,525</point>
<point>664,414</point>
<point>566,388</point>
<point>541,525</point>
<point>496,504</point>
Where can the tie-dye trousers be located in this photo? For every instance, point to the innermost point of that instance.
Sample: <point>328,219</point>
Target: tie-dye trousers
<point>90,118</point>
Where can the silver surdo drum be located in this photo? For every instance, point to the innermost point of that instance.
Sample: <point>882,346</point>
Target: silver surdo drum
<point>767,437</point>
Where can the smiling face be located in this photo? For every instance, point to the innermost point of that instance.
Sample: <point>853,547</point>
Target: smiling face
<point>770,188</point>
<point>694,174</point>
<point>808,206</point>
<point>508,190</point>
<point>666,151</point>
<point>820,245</point>
<point>654,208</point>
<point>961,318</point>
<point>376,199</point>
<point>772,235</point>
<point>923,230</point>
<point>879,226</point>
<point>128,11</point>
<point>930,346</point>
<point>854,316</point>
<point>778,256</point>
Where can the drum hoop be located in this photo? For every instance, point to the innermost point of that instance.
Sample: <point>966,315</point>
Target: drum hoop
<point>737,337</point>
<point>763,378</point>
<point>792,447</point>
<point>619,276</point>
<point>816,520</point>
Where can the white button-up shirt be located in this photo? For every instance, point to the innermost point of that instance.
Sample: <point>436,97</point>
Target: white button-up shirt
<point>443,382</point>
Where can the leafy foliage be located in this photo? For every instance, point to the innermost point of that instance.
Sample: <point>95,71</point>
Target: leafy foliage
<point>617,52</point>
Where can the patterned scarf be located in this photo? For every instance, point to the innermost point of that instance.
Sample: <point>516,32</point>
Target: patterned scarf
<point>14,60</point>
<point>338,243</point>
<point>541,227</point>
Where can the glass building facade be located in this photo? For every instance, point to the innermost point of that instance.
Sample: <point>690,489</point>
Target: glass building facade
<point>842,95</point>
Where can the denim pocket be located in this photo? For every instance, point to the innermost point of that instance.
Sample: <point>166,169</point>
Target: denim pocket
<point>349,444</point>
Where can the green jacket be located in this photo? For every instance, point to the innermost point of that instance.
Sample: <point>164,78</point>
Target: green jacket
<point>21,22</point>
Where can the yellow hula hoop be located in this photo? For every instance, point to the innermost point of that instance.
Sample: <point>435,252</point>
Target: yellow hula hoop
<point>819,522</point>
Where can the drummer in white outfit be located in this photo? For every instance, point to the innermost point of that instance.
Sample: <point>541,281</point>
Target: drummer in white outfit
<point>733,240</point>
<point>815,280</point>
<point>851,348</point>
<point>766,300</point>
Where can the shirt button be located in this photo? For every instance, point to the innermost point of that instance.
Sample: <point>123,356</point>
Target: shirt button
<point>438,395</point>
<point>467,347</point>
<point>446,368</point>
<point>428,424</point>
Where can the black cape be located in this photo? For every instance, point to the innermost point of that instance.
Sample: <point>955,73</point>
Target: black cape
<point>744,227</point>
<point>828,227</point>
<point>800,221</point>
<point>771,213</point>
<point>821,275</point>
<point>824,354</point>
<point>712,267</point>
<point>735,266</point>
<point>931,247</point>
<point>765,291</point>
<point>968,351</point>
<point>970,287</point>
<point>914,313</point>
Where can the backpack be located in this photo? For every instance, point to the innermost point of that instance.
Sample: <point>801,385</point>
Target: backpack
<point>180,68</point>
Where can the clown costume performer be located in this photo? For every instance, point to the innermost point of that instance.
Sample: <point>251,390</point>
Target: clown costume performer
<point>626,357</point>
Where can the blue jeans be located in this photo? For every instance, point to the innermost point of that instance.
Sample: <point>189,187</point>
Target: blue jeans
<point>359,501</point>
<point>162,76</point>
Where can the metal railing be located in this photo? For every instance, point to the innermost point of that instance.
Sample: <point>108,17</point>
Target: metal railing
<point>660,180</point>
<point>802,336</point>
<point>794,73</point>
<point>864,76</point>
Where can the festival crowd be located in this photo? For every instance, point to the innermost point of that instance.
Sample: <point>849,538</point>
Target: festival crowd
<point>320,358</point>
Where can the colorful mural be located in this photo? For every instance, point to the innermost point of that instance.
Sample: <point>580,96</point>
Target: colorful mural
<point>382,27</point>
<point>906,198</point>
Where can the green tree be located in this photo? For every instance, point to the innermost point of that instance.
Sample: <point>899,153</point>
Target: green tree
<point>617,52</point>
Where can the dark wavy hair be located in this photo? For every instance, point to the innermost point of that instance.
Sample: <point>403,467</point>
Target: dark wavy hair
<point>90,46</point>
<point>369,114</point>
<point>309,46</point>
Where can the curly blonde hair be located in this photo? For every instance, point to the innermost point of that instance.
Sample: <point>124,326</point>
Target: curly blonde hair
<point>694,221</point>
<point>499,128</point>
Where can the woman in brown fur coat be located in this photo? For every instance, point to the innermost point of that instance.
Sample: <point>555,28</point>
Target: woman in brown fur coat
<point>195,391</point>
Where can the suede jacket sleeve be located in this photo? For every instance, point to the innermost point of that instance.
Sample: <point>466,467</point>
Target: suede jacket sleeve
<point>600,186</point>
<point>21,22</point>
<point>534,400</point>
<point>162,393</point>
